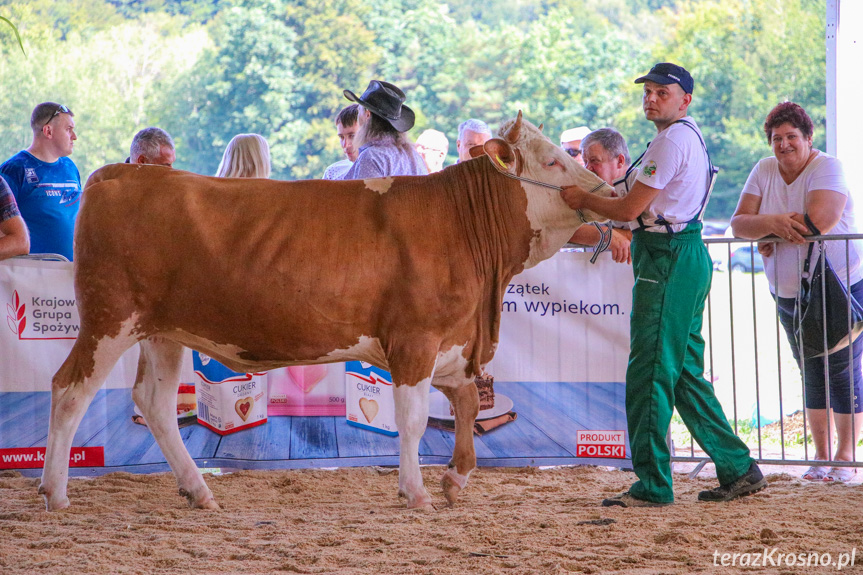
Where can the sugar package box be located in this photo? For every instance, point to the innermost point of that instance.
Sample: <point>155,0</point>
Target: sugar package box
<point>307,390</point>
<point>369,402</point>
<point>229,401</point>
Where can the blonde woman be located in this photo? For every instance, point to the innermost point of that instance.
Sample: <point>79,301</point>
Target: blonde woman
<point>247,156</point>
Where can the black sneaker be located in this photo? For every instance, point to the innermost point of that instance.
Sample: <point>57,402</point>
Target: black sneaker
<point>752,481</point>
<point>627,500</point>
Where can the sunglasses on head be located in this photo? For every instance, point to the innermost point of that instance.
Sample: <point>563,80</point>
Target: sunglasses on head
<point>61,109</point>
<point>574,152</point>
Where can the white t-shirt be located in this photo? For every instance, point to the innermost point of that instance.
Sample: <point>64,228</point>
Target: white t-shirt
<point>676,163</point>
<point>823,173</point>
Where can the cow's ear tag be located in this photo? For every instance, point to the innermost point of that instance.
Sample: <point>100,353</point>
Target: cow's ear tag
<point>501,154</point>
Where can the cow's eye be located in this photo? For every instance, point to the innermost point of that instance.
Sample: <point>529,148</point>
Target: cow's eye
<point>551,163</point>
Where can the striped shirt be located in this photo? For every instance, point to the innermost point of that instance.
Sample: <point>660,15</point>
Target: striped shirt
<point>381,158</point>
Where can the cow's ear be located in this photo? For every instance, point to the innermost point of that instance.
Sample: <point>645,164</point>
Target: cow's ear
<point>501,154</point>
<point>476,151</point>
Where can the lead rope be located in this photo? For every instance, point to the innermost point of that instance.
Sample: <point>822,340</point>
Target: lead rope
<point>543,184</point>
<point>604,240</point>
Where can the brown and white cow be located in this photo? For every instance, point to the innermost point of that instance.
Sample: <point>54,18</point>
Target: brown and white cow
<point>405,273</point>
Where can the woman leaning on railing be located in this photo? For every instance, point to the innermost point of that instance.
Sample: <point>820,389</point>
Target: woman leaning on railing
<point>799,181</point>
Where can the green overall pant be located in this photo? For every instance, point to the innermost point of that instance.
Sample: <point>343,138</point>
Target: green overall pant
<point>666,363</point>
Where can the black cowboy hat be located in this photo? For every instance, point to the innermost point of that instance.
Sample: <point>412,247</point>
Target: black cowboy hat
<point>387,101</point>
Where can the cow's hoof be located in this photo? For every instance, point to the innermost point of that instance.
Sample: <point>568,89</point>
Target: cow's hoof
<point>209,504</point>
<point>452,483</point>
<point>206,501</point>
<point>420,501</point>
<point>53,503</point>
<point>450,490</point>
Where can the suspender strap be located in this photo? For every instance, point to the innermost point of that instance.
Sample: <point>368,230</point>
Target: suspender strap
<point>711,180</point>
<point>711,172</point>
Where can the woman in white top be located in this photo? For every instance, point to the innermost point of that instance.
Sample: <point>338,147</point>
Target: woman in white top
<point>800,180</point>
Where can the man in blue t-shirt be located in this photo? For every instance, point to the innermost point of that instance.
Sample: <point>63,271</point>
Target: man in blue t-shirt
<point>45,182</point>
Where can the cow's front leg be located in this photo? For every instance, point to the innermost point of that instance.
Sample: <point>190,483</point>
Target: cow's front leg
<point>465,402</point>
<point>155,394</point>
<point>412,413</point>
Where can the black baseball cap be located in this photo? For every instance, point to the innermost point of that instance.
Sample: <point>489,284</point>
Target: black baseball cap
<point>666,73</point>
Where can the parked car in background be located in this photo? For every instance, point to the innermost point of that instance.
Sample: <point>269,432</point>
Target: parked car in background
<point>746,259</point>
<point>714,227</point>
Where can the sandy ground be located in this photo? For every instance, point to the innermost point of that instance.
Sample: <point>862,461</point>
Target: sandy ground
<point>351,521</point>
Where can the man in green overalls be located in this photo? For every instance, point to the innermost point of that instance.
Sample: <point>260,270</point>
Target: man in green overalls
<point>664,197</point>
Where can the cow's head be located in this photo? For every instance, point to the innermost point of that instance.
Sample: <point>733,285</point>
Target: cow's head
<point>524,151</point>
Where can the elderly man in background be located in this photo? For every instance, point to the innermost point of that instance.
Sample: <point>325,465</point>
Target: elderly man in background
<point>471,133</point>
<point>153,146</point>
<point>571,140</point>
<point>346,128</point>
<point>45,182</point>
<point>607,156</point>
<point>433,146</point>
<point>383,120</point>
<point>14,238</point>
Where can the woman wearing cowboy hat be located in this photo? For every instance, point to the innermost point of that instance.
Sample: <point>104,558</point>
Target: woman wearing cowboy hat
<point>383,121</point>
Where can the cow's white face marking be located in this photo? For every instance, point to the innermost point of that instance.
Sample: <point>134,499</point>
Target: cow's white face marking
<point>550,218</point>
<point>379,185</point>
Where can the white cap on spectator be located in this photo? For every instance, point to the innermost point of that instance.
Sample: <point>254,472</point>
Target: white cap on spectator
<point>434,140</point>
<point>574,134</point>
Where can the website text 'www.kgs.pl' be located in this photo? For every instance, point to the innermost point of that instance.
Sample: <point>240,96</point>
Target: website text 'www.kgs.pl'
<point>773,557</point>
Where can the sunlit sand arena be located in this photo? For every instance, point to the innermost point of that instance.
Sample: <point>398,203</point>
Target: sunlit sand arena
<point>347,521</point>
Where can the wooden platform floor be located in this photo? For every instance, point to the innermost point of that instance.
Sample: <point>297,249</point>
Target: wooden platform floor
<point>549,414</point>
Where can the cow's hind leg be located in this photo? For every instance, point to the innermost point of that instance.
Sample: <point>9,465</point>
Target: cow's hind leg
<point>155,394</point>
<point>72,390</point>
<point>412,367</point>
<point>412,413</point>
<point>465,401</point>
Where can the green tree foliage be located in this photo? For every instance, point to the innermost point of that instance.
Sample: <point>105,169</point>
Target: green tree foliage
<point>206,70</point>
<point>244,84</point>
<point>747,56</point>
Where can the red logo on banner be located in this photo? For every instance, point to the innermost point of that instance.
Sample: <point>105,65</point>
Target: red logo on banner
<point>15,315</point>
<point>606,444</point>
<point>34,457</point>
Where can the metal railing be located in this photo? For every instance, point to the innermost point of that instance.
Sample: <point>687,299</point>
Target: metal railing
<point>742,339</point>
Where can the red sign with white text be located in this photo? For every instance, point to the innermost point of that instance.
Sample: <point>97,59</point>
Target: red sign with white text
<point>606,444</point>
<point>34,457</point>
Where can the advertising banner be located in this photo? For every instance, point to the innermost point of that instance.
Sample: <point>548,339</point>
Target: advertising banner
<point>41,326</point>
<point>558,373</point>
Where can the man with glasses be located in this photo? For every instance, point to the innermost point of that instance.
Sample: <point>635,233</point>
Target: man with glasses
<point>570,141</point>
<point>45,182</point>
<point>606,155</point>
<point>152,146</point>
